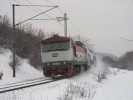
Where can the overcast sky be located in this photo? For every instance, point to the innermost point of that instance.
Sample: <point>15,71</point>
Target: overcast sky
<point>101,21</point>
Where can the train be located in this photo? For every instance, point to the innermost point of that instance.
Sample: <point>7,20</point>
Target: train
<point>62,56</point>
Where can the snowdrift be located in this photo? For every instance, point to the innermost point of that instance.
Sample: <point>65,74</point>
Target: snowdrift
<point>23,72</point>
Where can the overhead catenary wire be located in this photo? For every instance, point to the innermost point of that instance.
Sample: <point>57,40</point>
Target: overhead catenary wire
<point>67,28</point>
<point>50,2</point>
<point>37,5</point>
<point>39,9</point>
<point>31,7</point>
<point>61,11</point>
<point>47,15</point>
<point>26,6</point>
<point>74,26</point>
<point>44,19</point>
<point>10,2</point>
<point>36,15</point>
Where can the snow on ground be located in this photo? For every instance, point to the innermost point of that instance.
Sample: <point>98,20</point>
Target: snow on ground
<point>117,85</point>
<point>23,72</point>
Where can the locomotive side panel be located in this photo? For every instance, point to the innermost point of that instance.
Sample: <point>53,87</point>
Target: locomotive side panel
<point>80,57</point>
<point>57,56</point>
<point>54,56</point>
<point>61,56</point>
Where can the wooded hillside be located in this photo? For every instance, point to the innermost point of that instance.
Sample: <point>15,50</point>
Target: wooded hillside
<point>27,40</point>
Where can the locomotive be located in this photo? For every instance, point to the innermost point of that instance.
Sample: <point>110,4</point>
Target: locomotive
<point>61,56</point>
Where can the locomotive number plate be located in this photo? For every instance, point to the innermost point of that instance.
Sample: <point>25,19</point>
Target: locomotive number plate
<point>55,55</point>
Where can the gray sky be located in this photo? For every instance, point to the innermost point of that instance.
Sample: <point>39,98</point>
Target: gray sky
<point>102,21</point>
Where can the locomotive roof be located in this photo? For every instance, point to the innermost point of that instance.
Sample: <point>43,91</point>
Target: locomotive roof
<point>55,38</point>
<point>79,43</point>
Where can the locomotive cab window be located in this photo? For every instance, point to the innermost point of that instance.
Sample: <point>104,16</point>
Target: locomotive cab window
<point>55,46</point>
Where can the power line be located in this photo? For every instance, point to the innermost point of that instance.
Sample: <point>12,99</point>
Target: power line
<point>60,24</point>
<point>74,26</point>
<point>26,6</point>
<point>70,31</point>
<point>14,35</point>
<point>37,5</point>
<point>44,19</point>
<point>39,11</point>
<point>61,11</point>
<point>38,8</point>
<point>36,15</point>
<point>47,15</point>
<point>29,6</point>
<point>50,2</point>
<point>10,2</point>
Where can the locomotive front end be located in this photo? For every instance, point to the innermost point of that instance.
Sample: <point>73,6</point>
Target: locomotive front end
<point>57,56</point>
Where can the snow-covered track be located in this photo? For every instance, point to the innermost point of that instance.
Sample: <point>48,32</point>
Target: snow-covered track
<point>25,84</point>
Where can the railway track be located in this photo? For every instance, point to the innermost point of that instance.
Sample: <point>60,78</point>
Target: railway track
<point>25,84</point>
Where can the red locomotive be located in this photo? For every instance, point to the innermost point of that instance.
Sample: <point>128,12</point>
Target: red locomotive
<point>61,56</point>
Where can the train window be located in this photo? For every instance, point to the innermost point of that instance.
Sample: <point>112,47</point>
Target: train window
<point>74,49</point>
<point>55,46</point>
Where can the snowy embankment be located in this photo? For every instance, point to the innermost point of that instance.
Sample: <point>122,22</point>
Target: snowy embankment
<point>98,83</point>
<point>23,72</point>
<point>118,86</point>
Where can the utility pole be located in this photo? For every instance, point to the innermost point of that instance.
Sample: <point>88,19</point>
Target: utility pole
<point>14,32</point>
<point>14,36</point>
<point>65,23</point>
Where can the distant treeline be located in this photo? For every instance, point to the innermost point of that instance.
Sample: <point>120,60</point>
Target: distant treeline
<point>27,40</point>
<point>124,62</point>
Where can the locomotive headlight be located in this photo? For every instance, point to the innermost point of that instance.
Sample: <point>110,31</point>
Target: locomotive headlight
<point>48,64</point>
<point>64,62</point>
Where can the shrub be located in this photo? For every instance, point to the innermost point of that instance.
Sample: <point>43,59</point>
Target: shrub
<point>27,40</point>
<point>78,91</point>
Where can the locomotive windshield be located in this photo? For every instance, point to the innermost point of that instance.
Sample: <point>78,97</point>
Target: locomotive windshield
<point>55,46</point>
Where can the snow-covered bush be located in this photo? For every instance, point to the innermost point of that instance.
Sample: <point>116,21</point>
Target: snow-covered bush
<point>114,71</point>
<point>78,91</point>
<point>102,74</point>
<point>2,50</point>
<point>17,61</point>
